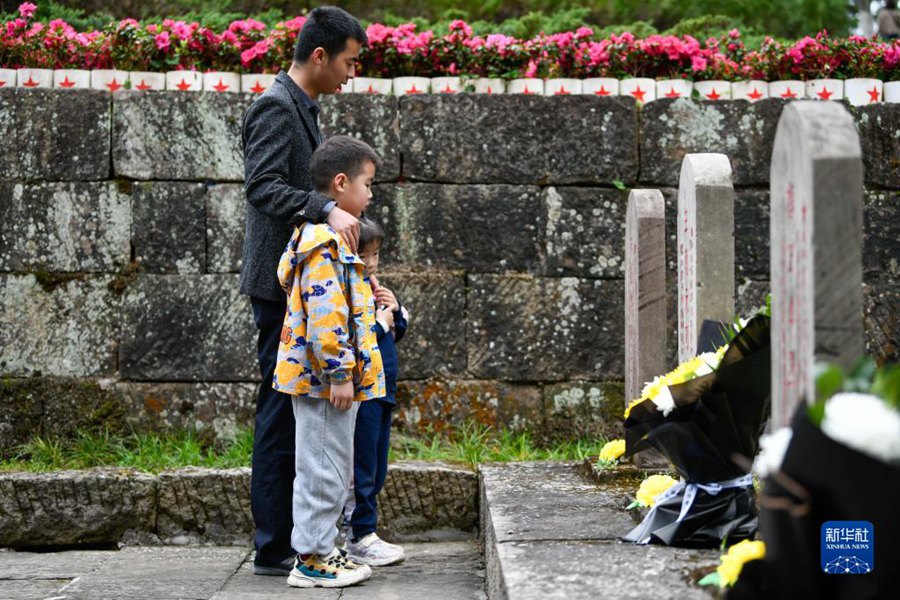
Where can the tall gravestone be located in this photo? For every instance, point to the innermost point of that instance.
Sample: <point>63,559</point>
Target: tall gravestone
<point>705,238</point>
<point>816,249</point>
<point>645,290</point>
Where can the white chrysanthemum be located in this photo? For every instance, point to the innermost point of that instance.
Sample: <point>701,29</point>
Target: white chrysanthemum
<point>772,448</point>
<point>865,423</point>
<point>664,401</point>
<point>709,362</point>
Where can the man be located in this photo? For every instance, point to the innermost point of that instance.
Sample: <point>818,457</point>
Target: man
<point>889,21</point>
<point>280,133</point>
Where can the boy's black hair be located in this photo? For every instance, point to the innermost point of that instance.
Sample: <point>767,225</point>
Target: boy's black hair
<point>340,154</point>
<point>328,27</point>
<point>370,233</point>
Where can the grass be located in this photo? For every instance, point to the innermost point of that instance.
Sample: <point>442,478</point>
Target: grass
<point>468,444</point>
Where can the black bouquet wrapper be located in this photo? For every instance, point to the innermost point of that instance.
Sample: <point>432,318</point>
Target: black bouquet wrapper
<point>822,480</point>
<point>716,418</point>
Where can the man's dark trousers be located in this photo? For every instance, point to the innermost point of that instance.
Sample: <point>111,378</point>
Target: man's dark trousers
<point>271,485</point>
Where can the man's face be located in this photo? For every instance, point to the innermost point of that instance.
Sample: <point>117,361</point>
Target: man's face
<point>338,70</point>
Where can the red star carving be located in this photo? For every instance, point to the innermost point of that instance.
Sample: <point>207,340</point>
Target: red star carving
<point>562,92</point>
<point>490,90</point>
<point>755,94</point>
<point>142,86</point>
<point>66,83</point>
<point>2,83</point>
<point>713,95</point>
<point>672,93</point>
<point>825,94</point>
<point>259,89</point>
<point>113,85</point>
<point>789,94</point>
<point>527,91</point>
<point>874,96</point>
<point>221,87</point>
<point>413,90</point>
<point>638,94</point>
<point>183,85</point>
<point>31,82</point>
<point>602,91</point>
<point>448,90</point>
<point>371,90</point>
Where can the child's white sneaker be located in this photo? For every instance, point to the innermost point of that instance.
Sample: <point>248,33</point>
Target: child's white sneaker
<point>374,551</point>
<point>332,571</point>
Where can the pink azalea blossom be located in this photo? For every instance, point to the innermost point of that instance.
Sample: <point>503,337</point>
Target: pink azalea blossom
<point>162,41</point>
<point>26,9</point>
<point>698,63</point>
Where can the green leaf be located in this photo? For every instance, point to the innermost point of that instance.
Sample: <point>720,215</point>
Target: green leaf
<point>711,579</point>
<point>618,184</point>
<point>634,504</point>
<point>886,385</point>
<point>829,381</point>
<point>816,412</point>
<point>860,377</point>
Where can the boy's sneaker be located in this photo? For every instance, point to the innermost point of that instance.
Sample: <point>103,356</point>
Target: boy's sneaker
<point>331,571</point>
<point>372,550</point>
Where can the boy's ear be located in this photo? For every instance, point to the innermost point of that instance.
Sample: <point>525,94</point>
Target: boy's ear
<point>340,181</point>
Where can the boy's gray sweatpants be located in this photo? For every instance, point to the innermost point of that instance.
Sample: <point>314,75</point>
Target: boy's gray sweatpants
<point>324,467</point>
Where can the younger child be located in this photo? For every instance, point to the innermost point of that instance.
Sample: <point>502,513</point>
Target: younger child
<point>373,421</point>
<point>328,361</point>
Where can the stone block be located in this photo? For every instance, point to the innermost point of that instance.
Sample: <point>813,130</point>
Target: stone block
<point>214,409</point>
<point>20,413</point>
<point>438,405</point>
<point>54,135</point>
<point>582,409</point>
<point>226,220</point>
<point>57,325</point>
<point>881,319</point>
<point>545,329</point>
<point>64,227</point>
<point>177,136</point>
<point>427,496</point>
<point>751,234</point>
<point>460,226</point>
<point>585,232</point>
<point>877,125</point>
<point>375,119</point>
<point>670,129</point>
<point>881,234</point>
<point>532,139</point>
<point>435,341</point>
<point>94,506</point>
<point>187,328</point>
<point>204,506</point>
<point>169,233</point>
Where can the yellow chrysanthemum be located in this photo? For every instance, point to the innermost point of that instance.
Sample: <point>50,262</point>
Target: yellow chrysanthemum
<point>632,405</point>
<point>733,562</point>
<point>652,487</point>
<point>612,450</point>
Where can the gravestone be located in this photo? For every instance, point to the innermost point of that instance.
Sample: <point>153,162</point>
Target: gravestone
<point>645,290</point>
<point>815,251</point>
<point>705,245</point>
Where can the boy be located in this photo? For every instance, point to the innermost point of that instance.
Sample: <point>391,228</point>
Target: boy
<point>328,361</point>
<point>373,421</point>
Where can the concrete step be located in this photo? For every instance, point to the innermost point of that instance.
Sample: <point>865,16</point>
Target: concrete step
<point>551,532</point>
<point>449,570</point>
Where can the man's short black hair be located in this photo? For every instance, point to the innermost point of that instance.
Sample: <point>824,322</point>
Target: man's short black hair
<point>370,233</point>
<point>328,27</point>
<point>340,154</point>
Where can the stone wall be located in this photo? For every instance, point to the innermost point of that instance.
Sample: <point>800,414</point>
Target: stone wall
<point>121,223</point>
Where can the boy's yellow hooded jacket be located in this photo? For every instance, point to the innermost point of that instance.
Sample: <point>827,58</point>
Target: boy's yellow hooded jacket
<point>329,331</point>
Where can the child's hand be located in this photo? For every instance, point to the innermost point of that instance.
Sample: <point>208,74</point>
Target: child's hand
<point>385,297</point>
<point>342,395</point>
<point>386,316</point>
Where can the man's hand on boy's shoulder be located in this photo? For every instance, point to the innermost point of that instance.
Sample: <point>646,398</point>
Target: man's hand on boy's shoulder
<point>342,395</point>
<point>346,226</point>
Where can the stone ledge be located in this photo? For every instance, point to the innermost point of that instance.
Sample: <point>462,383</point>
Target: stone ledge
<point>539,514</point>
<point>207,506</point>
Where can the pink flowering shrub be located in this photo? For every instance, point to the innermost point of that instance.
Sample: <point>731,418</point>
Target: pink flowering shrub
<point>249,46</point>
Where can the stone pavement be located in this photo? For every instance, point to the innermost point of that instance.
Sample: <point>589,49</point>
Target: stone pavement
<point>449,570</point>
